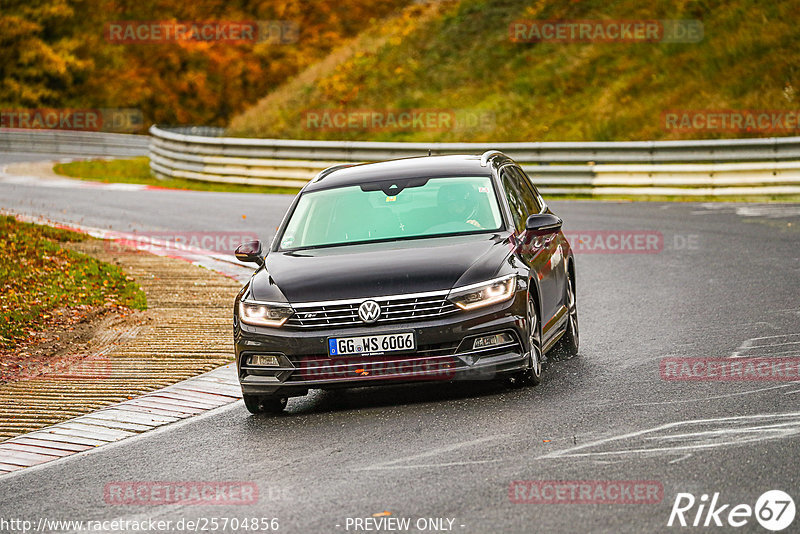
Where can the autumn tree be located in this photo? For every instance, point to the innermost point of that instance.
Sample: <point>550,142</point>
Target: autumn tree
<point>55,53</point>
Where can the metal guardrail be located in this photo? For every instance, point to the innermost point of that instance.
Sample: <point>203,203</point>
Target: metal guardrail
<point>764,166</point>
<point>73,143</point>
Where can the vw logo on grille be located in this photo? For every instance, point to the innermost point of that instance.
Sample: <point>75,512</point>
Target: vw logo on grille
<point>369,311</point>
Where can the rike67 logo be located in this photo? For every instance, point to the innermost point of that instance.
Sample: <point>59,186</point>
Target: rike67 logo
<point>774,510</point>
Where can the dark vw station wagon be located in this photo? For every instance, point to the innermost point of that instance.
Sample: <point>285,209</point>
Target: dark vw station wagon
<point>428,268</point>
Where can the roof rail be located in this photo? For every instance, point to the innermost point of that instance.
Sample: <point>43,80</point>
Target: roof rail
<point>325,172</point>
<point>488,154</point>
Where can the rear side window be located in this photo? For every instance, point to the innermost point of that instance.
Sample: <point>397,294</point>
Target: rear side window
<point>530,198</point>
<point>518,208</point>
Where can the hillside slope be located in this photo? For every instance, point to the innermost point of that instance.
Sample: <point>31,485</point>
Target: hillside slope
<point>458,57</point>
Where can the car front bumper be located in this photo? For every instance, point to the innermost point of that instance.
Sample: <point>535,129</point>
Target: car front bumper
<point>443,352</point>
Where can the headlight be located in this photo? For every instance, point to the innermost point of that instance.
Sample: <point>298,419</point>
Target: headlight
<point>264,313</point>
<point>484,294</point>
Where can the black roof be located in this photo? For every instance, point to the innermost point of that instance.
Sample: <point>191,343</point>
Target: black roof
<point>422,166</point>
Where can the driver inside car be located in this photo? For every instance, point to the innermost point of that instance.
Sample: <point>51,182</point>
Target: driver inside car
<point>460,203</point>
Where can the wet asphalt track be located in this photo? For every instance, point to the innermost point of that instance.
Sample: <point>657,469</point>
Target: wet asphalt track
<point>726,274</point>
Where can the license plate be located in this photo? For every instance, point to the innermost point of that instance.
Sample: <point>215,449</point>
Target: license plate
<point>342,346</point>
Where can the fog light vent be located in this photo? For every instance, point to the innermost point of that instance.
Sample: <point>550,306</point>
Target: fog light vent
<point>264,360</point>
<point>490,341</point>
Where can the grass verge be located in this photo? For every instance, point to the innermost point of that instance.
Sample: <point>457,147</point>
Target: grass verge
<point>41,281</point>
<point>137,171</point>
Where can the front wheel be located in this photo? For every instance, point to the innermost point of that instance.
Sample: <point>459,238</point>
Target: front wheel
<point>567,346</point>
<point>257,404</point>
<point>532,376</point>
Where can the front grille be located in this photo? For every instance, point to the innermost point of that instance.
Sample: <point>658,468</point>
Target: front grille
<point>394,309</point>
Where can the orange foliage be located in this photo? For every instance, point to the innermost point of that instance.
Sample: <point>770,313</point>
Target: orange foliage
<point>55,53</point>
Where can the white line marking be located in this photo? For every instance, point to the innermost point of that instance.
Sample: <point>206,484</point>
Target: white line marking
<point>722,431</point>
<point>748,346</point>
<point>699,399</point>
<point>415,466</point>
<point>765,355</point>
<point>773,337</point>
<point>773,345</point>
<point>572,452</point>
<point>391,464</point>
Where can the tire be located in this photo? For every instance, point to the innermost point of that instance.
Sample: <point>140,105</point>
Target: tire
<point>257,404</point>
<point>532,376</point>
<point>567,346</point>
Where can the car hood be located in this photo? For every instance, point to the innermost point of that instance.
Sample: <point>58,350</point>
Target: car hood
<point>379,269</point>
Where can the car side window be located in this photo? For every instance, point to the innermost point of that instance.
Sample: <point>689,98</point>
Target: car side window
<point>530,198</point>
<point>518,209</point>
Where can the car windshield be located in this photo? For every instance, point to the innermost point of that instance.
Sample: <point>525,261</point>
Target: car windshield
<point>418,208</point>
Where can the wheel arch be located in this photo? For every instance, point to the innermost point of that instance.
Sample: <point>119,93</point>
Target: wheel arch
<point>571,274</point>
<point>535,293</point>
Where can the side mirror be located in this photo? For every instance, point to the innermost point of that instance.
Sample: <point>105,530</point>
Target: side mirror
<point>250,252</point>
<point>541,224</point>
